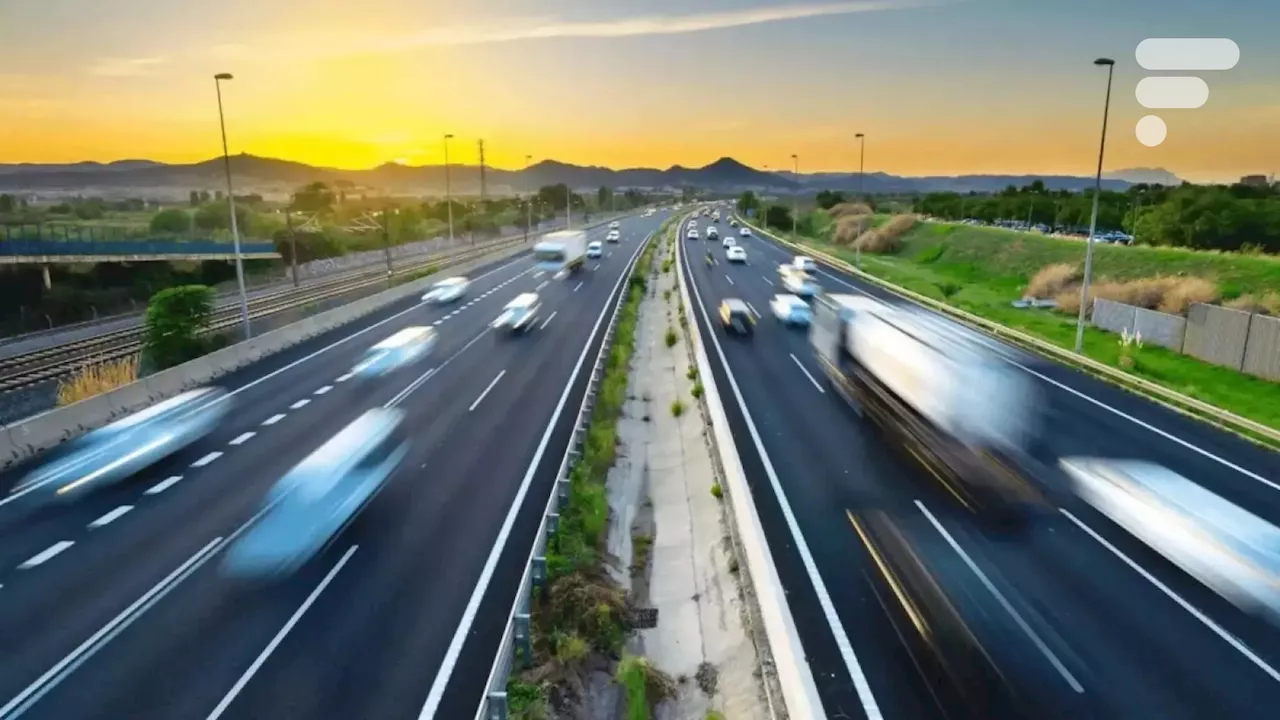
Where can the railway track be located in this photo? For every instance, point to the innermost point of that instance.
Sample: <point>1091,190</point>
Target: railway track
<point>60,361</point>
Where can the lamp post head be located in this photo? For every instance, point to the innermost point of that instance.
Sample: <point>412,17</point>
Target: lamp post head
<point>860,135</point>
<point>1104,61</point>
<point>222,76</point>
<point>448,136</point>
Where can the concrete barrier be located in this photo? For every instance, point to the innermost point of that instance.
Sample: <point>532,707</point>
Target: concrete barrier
<point>1157,328</point>
<point>165,383</point>
<point>1262,353</point>
<point>1113,316</point>
<point>8,453</point>
<point>58,426</point>
<point>130,398</point>
<point>1217,335</point>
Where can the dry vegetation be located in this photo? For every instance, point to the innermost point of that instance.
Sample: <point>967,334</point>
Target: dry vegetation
<point>93,380</point>
<point>1168,294</point>
<point>1261,304</point>
<point>854,227</point>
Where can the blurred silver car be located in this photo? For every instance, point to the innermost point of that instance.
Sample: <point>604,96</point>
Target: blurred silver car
<point>403,348</point>
<point>447,290</point>
<point>132,443</point>
<point>520,314</point>
<point>801,284</point>
<point>320,496</point>
<point>791,310</point>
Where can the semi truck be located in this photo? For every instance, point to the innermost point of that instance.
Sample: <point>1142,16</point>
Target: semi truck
<point>561,252</point>
<point>939,390</point>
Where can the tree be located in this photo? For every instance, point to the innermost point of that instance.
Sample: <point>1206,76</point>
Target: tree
<point>778,216</point>
<point>748,202</point>
<point>215,216</point>
<point>314,197</point>
<point>603,196</point>
<point>171,221</point>
<point>7,204</point>
<point>194,200</point>
<point>554,197</point>
<point>174,321</point>
<point>828,199</point>
<point>204,196</point>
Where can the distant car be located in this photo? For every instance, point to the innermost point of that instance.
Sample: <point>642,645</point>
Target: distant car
<point>614,225</point>
<point>712,233</point>
<point>401,349</point>
<point>595,249</point>
<point>735,317</point>
<point>735,254</point>
<point>520,314</point>
<point>791,310</point>
<point>728,242</point>
<point>733,223</point>
<point>447,290</point>
<point>692,234</point>
<point>745,232</point>
<point>801,284</point>
<point>320,496</point>
<point>804,264</point>
<point>613,236</point>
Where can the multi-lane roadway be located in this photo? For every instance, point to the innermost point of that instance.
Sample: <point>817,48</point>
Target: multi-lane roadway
<point>1085,620</point>
<point>116,606</point>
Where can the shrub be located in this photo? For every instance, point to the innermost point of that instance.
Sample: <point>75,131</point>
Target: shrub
<point>1052,280</point>
<point>691,373</point>
<point>717,492</point>
<point>888,237</point>
<point>1168,294</point>
<point>96,379</point>
<point>1265,304</point>
<point>174,321</point>
<point>671,337</point>
<point>643,685</point>
<point>171,221</point>
<point>696,390</point>
<point>677,408</point>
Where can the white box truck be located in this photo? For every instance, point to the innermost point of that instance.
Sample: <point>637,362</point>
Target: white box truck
<point>564,251</point>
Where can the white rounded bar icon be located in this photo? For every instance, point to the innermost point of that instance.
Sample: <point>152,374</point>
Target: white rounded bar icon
<point>1182,93</point>
<point>1187,54</point>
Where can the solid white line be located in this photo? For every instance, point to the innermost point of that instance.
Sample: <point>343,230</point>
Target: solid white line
<point>547,322</point>
<point>806,374</point>
<point>323,389</point>
<point>476,404</point>
<point>274,419</point>
<point>207,459</point>
<point>300,404</point>
<point>1205,620</point>
<point>343,378</point>
<point>279,637</point>
<point>575,289</point>
<point>163,485</point>
<point>46,555</point>
<point>767,280</point>
<point>450,661</point>
<point>111,516</point>
<point>756,312</point>
<point>1004,602</point>
<point>243,438</point>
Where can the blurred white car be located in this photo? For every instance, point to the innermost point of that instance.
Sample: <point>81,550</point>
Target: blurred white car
<point>519,314</point>
<point>712,233</point>
<point>801,284</point>
<point>791,310</point>
<point>692,234</point>
<point>614,225</point>
<point>735,254</point>
<point>804,264</point>
<point>728,242</point>
<point>745,231</point>
<point>595,249</point>
<point>613,236</point>
<point>403,348</point>
<point>447,290</point>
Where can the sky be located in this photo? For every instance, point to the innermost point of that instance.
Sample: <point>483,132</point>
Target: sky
<point>939,87</point>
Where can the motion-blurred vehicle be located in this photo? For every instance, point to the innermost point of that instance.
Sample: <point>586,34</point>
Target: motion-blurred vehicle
<point>791,310</point>
<point>715,216</point>
<point>308,507</point>
<point>728,242</point>
<point>613,236</point>
<point>402,349</point>
<point>712,233</point>
<point>692,234</point>
<point>1229,549</point>
<point>745,231</point>
<point>804,264</point>
<point>801,284</point>
<point>447,290</point>
<point>735,254</point>
<point>520,314</point>
<point>942,392</point>
<point>561,252</point>
<point>733,223</point>
<point>735,317</point>
<point>114,452</point>
<point>595,249</point>
<point>614,225</point>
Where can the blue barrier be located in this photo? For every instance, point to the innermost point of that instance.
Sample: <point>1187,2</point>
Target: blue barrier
<point>130,247</point>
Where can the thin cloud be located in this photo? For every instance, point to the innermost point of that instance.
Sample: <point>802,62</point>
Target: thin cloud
<point>125,67</point>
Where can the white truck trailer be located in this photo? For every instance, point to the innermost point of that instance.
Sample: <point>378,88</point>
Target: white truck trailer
<point>940,390</point>
<point>561,252</point>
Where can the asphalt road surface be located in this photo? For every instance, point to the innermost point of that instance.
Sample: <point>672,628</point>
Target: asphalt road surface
<point>116,606</point>
<point>1084,620</point>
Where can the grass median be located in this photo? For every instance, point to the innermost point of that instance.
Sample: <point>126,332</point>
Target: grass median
<point>983,270</point>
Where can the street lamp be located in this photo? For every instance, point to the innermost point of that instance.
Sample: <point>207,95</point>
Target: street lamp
<point>795,197</point>
<point>1093,219</point>
<point>448,189</point>
<point>231,203</point>
<point>862,159</point>
<point>528,205</point>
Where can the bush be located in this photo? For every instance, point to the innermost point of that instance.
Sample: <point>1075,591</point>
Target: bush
<point>1173,295</point>
<point>691,373</point>
<point>778,216</point>
<point>671,338</point>
<point>888,237</point>
<point>172,221</point>
<point>1053,280</point>
<point>644,686</point>
<point>1261,304</point>
<point>677,408</point>
<point>696,390</point>
<point>92,380</point>
<point>175,319</point>
<point>717,492</point>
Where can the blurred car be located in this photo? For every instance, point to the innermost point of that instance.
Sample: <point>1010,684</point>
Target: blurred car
<point>1229,549</point>
<point>447,290</point>
<point>320,496</point>
<point>519,314</point>
<point>613,236</point>
<point>595,249</point>
<point>614,225</point>
<point>791,310</point>
<point>745,231</point>
<point>401,349</point>
<point>801,283</point>
<point>692,234</point>
<point>712,233</point>
<point>735,317</point>
<point>735,254</point>
<point>114,452</point>
<point>804,264</point>
<point>733,223</point>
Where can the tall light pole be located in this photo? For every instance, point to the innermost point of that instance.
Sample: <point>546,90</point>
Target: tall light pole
<point>795,198</point>
<point>1093,219</point>
<point>528,204</point>
<point>448,188</point>
<point>231,203</point>
<point>862,160</point>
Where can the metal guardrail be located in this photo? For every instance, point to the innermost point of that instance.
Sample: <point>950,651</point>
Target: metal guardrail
<point>131,247</point>
<point>1191,407</point>
<point>516,646</point>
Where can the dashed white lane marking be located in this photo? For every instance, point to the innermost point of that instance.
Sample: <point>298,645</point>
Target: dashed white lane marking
<point>726,277</point>
<point>243,438</point>
<point>46,555</point>
<point>547,322</point>
<point>273,419</point>
<point>323,390</point>
<point>806,374</point>
<point>455,312</point>
<point>207,459</point>
<point>111,516</point>
<point>163,485</point>
<point>476,404</point>
<point>343,378</point>
<point>300,404</point>
<point>767,280</point>
<point>753,310</point>
<point>595,267</point>
<point>540,286</point>
<point>438,322</point>
<point>576,287</point>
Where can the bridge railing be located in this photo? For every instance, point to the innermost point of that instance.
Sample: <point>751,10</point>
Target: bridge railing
<point>129,247</point>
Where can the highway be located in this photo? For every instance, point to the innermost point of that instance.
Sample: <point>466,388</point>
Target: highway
<point>116,606</point>
<point>1084,620</point>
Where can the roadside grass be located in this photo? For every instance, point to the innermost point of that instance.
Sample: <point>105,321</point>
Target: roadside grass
<point>92,380</point>
<point>983,270</point>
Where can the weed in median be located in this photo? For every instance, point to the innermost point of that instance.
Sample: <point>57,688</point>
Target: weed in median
<point>717,492</point>
<point>691,373</point>
<point>92,380</point>
<point>526,701</point>
<point>671,337</point>
<point>643,685</point>
<point>696,390</point>
<point>677,408</point>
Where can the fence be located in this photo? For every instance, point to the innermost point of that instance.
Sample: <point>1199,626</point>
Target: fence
<point>1239,340</point>
<point>55,248</point>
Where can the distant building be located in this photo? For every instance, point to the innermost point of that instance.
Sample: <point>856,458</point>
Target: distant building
<point>1255,180</point>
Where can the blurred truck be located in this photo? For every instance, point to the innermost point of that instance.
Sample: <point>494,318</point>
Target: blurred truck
<point>561,252</point>
<point>941,391</point>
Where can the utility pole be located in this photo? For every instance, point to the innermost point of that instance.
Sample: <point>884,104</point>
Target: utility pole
<point>482,185</point>
<point>293,246</point>
<point>528,203</point>
<point>386,242</point>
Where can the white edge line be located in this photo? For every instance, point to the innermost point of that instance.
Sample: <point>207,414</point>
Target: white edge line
<point>852,665</point>
<point>1004,602</point>
<point>480,399</point>
<point>805,370</point>
<point>279,636</point>
<point>450,660</point>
